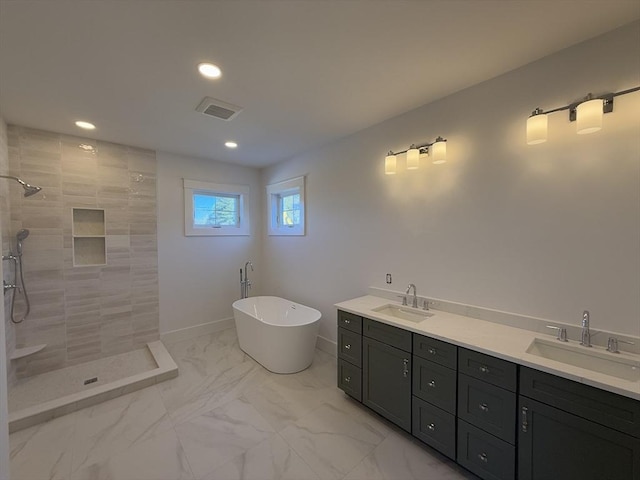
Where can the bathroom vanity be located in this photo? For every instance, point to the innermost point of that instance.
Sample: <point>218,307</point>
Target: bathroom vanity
<point>493,412</point>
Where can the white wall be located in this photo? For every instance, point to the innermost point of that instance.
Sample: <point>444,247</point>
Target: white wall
<point>546,230</point>
<point>199,276</point>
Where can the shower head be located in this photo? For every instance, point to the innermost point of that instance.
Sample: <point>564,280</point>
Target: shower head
<point>28,189</point>
<point>21,235</point>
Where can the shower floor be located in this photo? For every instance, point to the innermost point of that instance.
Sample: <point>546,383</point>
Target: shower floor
<point>42,397</point>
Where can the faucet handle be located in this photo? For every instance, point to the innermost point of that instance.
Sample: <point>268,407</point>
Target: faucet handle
<point>562,333</point>
<point>612,344</point>
<point>404,299</point>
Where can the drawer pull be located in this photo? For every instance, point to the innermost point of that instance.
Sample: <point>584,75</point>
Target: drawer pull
<point>431,427</point>
<point>483,457</point>
<point>525,422</point>
<point>347,379</point>
<point>347,346</point>
<point>347,321</point>
<point>405,364</point>
<point>484,407</point>
<point>432,384</point>
<point>432,351</point>
<point>484,369</point>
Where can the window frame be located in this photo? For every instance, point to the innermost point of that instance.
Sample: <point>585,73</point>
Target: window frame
<point>275,192</point>
<point>197,187</point>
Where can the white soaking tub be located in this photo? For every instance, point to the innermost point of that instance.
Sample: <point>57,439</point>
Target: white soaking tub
<point>277,333</point>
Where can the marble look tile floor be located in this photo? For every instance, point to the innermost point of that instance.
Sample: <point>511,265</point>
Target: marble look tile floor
<point>227,418</point>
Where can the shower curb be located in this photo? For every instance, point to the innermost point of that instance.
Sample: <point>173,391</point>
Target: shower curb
<point>166,369</point>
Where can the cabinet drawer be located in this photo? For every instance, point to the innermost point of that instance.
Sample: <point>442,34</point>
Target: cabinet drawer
<point>489,369</point>
<point>350,321</point>
<point>350,346</point>
<point>435,384</point>
<point>488,407</point>
<point>485,455</point>
<point>606,408</point>
<point>350,379</point>
<point>437,351</point>
<point>434,427</point>
<point>394,336</point>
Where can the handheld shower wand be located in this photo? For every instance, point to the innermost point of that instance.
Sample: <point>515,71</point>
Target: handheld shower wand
<point>17,260</point>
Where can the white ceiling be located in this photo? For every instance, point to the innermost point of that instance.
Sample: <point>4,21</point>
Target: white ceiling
<point>306,72</point>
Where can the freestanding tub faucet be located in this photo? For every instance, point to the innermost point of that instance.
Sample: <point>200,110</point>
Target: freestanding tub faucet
<point>245,284</point>
<point>585,339</point>
<point>414,302</point>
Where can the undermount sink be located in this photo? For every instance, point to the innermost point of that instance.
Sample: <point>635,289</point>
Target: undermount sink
<point>612,364</point>
<point>404,312</point>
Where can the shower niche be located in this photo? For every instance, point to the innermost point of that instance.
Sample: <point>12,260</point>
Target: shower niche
<point>88,232</point>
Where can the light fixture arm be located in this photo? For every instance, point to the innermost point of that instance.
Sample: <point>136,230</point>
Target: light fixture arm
<point>422,148</point>
<point>606,98</point>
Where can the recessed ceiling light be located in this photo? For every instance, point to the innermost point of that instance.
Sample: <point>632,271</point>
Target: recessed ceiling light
<point>209,70</point>
<point>85,125</point>
<point>231,144</point>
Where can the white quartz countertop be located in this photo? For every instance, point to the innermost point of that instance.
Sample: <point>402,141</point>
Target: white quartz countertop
<point>506,342</point>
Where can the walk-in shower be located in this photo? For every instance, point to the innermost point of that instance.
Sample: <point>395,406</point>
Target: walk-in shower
<point>18,278</point>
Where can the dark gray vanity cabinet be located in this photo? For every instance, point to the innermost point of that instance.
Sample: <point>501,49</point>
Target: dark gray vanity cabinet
<point>350,354</point>
<point>487,415</point>
<point>386,371</point>
<point>570,430</point>
<point>434,393</point>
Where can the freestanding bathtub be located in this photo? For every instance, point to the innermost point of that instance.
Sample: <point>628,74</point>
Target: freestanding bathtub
<point>277,333</point>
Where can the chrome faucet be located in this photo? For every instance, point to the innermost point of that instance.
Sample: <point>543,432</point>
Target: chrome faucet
<point>585,339</point>
<point>414,302</point>
<point>245,284</point>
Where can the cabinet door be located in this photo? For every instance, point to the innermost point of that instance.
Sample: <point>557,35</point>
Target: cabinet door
<point>386,381</point>
<point>553,444</point>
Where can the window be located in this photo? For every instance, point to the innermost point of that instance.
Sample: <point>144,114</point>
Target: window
<point>286,207</point>
<point>215,209</point>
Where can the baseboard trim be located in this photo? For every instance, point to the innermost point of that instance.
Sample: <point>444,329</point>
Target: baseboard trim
<point>327,346</point>
<point>196,331</point>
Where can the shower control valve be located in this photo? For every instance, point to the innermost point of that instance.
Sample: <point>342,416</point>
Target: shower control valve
<point>8,286</point>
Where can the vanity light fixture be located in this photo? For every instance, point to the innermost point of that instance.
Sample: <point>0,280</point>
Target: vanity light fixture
<point>438,154</point>
<point>587,113</point>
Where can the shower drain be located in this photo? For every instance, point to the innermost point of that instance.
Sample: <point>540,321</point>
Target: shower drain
<point>91,380</point>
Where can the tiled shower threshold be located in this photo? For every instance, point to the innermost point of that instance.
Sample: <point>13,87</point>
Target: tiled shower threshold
<point>116,376</point>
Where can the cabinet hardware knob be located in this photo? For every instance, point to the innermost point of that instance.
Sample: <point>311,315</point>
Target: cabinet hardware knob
<point>431,427</point>
<point>405,363</point>
<point>432,384</point>
<point>525,422</point>
<point>483,457</point>
<point>347,321</point>
<point>484,407</point>
<point>484,369</point>
<point>347,346</point>
<point>432,351</point>
<point>347,379</point>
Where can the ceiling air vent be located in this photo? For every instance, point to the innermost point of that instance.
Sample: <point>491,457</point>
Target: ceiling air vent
<point>217,108</point>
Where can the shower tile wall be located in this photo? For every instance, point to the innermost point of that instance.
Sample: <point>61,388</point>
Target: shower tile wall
<point>6,245</point>
<point>84,312</point>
